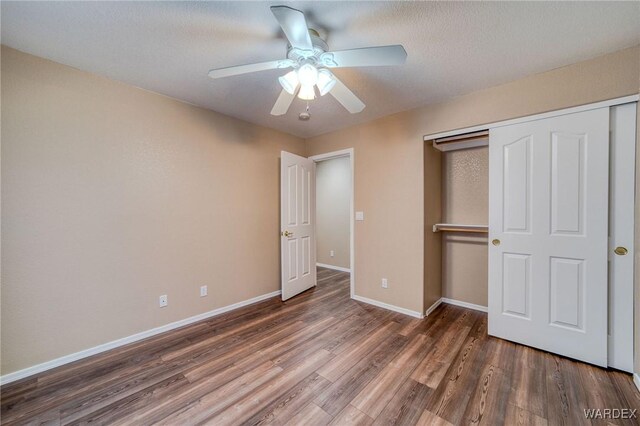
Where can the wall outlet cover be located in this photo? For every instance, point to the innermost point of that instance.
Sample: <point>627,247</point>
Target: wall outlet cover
<point>385,283</point>
<point>203,291</point>
<point>359,215</point>
<point>163,301</point>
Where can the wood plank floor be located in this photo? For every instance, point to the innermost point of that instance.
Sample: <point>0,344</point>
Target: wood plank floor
<point>322,358</point>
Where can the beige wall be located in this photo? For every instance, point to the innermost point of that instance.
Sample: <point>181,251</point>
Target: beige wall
<point>465,183</point>
<point>390,159</point>
<point>388,189</point>
<point>333,199</point>
<point>112,196</point>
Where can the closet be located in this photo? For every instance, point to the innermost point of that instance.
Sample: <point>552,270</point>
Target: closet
<point>561,190</point>
<point>465,214</point>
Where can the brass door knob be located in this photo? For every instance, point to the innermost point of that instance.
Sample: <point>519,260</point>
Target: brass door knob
<point>620,251</point>
<point>495,242</point>
<point>287,234</point>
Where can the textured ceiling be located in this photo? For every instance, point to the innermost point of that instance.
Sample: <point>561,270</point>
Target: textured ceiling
<point>454,48</point>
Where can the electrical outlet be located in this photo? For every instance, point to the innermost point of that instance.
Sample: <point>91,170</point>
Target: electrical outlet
<point>164,301</point>
<point>385,283</point>
<point>203,291</point>
<point>331,253</point>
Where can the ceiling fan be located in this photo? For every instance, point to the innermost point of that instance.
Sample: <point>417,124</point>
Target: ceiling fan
<point>311,60</point>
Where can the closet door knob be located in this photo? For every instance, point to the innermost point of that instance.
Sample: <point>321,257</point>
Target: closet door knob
<point>287,234</point>
<point>496,242</point>
<point>620,251</point>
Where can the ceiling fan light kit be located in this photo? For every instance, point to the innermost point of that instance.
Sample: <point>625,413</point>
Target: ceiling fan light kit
<point>310,58</point>
<point>307,93</point>
<point>289,82</point>
<point>326,81</point>
<point>307,74</point>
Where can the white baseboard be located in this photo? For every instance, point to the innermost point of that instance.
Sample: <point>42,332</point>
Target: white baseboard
<point>337,268</point>
<point>465,304</point>
<point>39,368</point>
<point>636,380</point>
<point>433,307</point>
<point>387,306</point>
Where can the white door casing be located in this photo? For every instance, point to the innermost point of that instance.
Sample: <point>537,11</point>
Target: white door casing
<point>548,213</point>
<point>297,224</point>
<point>621,234</point>
<point>349,152</point>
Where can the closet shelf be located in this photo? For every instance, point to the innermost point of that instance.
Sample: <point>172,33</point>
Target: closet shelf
<point>453,227</point>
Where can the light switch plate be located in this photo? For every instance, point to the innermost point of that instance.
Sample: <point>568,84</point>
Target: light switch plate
<point>359,215</point>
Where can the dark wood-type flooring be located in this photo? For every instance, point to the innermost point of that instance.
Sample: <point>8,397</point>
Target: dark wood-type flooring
<point>322,358</point>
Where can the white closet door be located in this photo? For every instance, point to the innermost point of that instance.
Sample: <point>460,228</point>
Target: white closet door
<point>621,229</point>
<point>548,219</point>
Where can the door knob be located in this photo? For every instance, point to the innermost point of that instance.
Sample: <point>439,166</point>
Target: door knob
<point>620,251</point>
<point>496,242</point>
<point>287,234</point>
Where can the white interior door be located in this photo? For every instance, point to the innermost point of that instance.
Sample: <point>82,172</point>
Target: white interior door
<point>548,225</point>
<point>297,223</point>
<point>621,233</point>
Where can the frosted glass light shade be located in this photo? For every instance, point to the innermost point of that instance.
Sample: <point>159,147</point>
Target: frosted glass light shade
<point>307,93</point>
<point>289,82</point>
<point>308,75</point>
<point>326,81</point>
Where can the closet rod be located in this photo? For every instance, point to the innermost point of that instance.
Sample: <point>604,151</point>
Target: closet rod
<point>452,227</point>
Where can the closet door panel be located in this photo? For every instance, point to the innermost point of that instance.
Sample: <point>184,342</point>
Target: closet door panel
<point>567,183</point>
<point>567,293</point>
<point>621,234</point>
<point>516,284</point>
<point>517,185</point>
<point>548,215</point>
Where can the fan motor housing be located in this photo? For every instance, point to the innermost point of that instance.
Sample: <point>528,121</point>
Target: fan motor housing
<point>319,47</point>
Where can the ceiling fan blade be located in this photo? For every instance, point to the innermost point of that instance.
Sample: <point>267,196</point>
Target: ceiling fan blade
<point>365,57</point>
<point>346,97</point>
<point>245,69</point>
<point>282,103</point>
<point>294,25</point>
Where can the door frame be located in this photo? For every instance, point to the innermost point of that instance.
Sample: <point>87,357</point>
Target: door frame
<point>349,152</point>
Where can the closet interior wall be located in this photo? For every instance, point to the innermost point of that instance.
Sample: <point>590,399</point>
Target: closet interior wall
<point>465,200</point>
